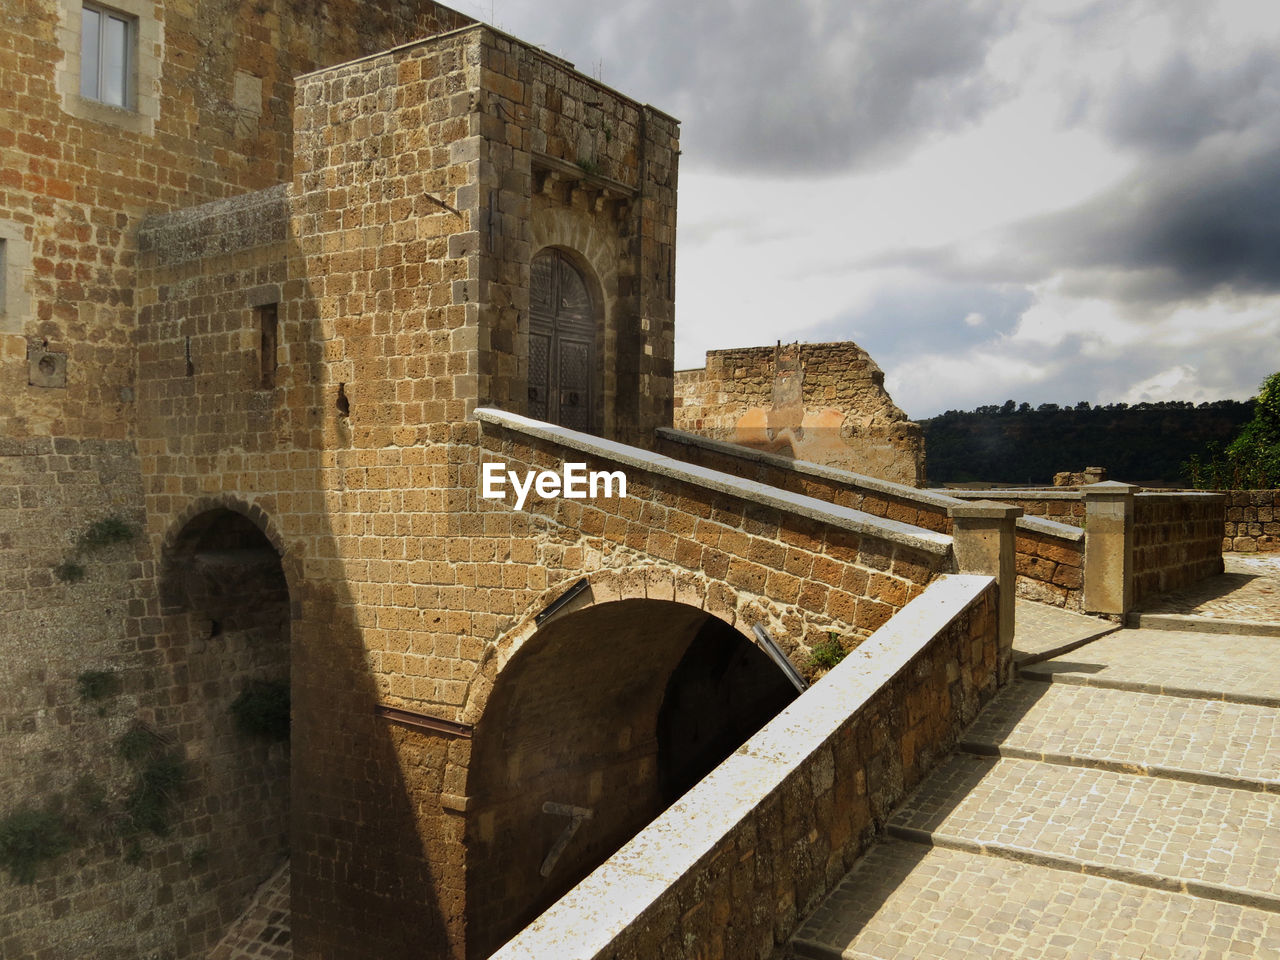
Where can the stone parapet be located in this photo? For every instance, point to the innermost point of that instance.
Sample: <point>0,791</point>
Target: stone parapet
<point>1049,554</point>
<point>731,868</point>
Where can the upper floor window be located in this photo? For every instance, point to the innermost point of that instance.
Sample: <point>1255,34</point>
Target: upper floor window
<point>107,43</point>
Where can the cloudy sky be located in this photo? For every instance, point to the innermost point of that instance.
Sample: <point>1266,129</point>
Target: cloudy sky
<point>1044,200</point>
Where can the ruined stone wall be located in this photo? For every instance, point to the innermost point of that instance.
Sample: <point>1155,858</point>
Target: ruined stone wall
<point>1253,521</point>
<point>1177,541</point>
<point>823,402</point>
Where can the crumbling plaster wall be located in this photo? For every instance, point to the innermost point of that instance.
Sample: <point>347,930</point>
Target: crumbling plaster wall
<point>823,402</point>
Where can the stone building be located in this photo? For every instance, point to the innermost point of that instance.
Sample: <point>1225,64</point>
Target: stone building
<point>261,263</point>
<point>822,402</point>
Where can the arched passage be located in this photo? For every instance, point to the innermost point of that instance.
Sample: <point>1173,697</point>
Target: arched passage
<point>598,722</point>
<point>224,590</point>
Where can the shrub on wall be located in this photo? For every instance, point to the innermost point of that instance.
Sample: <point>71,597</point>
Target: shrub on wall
<point>30,836</point>
<point>262,710</point>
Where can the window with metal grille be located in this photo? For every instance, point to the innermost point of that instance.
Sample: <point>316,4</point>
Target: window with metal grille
<point>107,40</point>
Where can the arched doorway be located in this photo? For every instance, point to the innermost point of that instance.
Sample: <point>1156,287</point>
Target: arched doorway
<point>580,746</point>
<point>562,343</point>
<point>226,598</point>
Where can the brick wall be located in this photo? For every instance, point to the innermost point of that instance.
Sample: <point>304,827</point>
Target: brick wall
<point>1253,521</point>
<point>1177,541</point>
<point>822,402</point>
<point>731,868</point>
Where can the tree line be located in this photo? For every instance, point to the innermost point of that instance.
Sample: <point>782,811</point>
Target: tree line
<point>1141,442</point>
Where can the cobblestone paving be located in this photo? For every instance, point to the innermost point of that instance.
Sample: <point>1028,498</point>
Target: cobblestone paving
<point>262,932</point>
<point>1149,825</point>
<point>1214,666</point>
<point>1249,589</point>
<point>1192,737</point>
<point>1042,630</point>
<point>900,902</point>
<point>1117,822</point>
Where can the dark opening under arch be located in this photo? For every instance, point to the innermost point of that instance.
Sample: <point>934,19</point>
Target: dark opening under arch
<point>226,597</point>
<point>600,720</point>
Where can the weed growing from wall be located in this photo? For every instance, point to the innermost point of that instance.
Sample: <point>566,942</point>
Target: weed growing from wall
<point>30,836</point>
<point>98,686</point>
<point>160,773</point>
<point>262,710</point>
<point>68,571</point>
<point>827,653</point>
<point>97,536</point>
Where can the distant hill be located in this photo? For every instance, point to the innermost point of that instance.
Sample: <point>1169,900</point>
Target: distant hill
<point>1016,443</point>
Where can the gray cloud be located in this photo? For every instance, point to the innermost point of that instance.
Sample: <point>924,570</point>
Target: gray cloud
<point>771,87</point>
<point>1182,104</point>
<point>1185,228</point>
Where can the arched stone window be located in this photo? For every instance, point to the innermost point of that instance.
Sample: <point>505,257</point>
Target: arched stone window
<point>562,343</point>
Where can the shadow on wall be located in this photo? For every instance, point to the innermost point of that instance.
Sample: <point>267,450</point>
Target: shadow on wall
<point>226,602</point>
<point>602,719</point>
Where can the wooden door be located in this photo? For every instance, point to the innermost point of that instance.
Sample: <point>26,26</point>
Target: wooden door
<point>562,343</point>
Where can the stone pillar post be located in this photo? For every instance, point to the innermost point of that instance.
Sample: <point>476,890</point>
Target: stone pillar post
<point>984,531</point>
<point>1108,547</point>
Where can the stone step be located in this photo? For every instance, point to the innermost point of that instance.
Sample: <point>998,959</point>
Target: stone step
<point>1215,842</point>
<point>905,901</point>
<point>1200,741</point>
<point>1203,666</point>
<point>1201,624</point>
<point>1042,631</point>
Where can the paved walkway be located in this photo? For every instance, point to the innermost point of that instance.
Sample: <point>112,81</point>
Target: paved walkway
<point>1248,591</point>
<point>1119,800</point>
<point>262,932</point>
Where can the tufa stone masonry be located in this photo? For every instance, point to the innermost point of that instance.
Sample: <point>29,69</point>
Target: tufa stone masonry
<point>822,402</point>
<point>279,278</point>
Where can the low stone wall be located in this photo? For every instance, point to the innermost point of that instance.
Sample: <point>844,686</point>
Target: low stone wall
<point>1253,521</point>
<point>1177,541</point>
<point>1050,554</point>
<point>1060,506</point>
<point>731,868</point>
<point>1050,569</point>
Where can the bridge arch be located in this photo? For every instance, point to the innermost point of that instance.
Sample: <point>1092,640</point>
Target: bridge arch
<point>596,719</point>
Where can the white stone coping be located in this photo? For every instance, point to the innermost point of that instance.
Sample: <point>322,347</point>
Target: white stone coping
<point>931,498</point>
<point>583,924</point>
<point>1077,493</point>
<point>1014,493</point>
<point>752,491</point>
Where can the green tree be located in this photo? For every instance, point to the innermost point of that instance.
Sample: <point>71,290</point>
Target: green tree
<point>1252,460</point>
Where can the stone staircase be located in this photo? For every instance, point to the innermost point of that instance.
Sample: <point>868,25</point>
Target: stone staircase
<point>1121,799</point>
